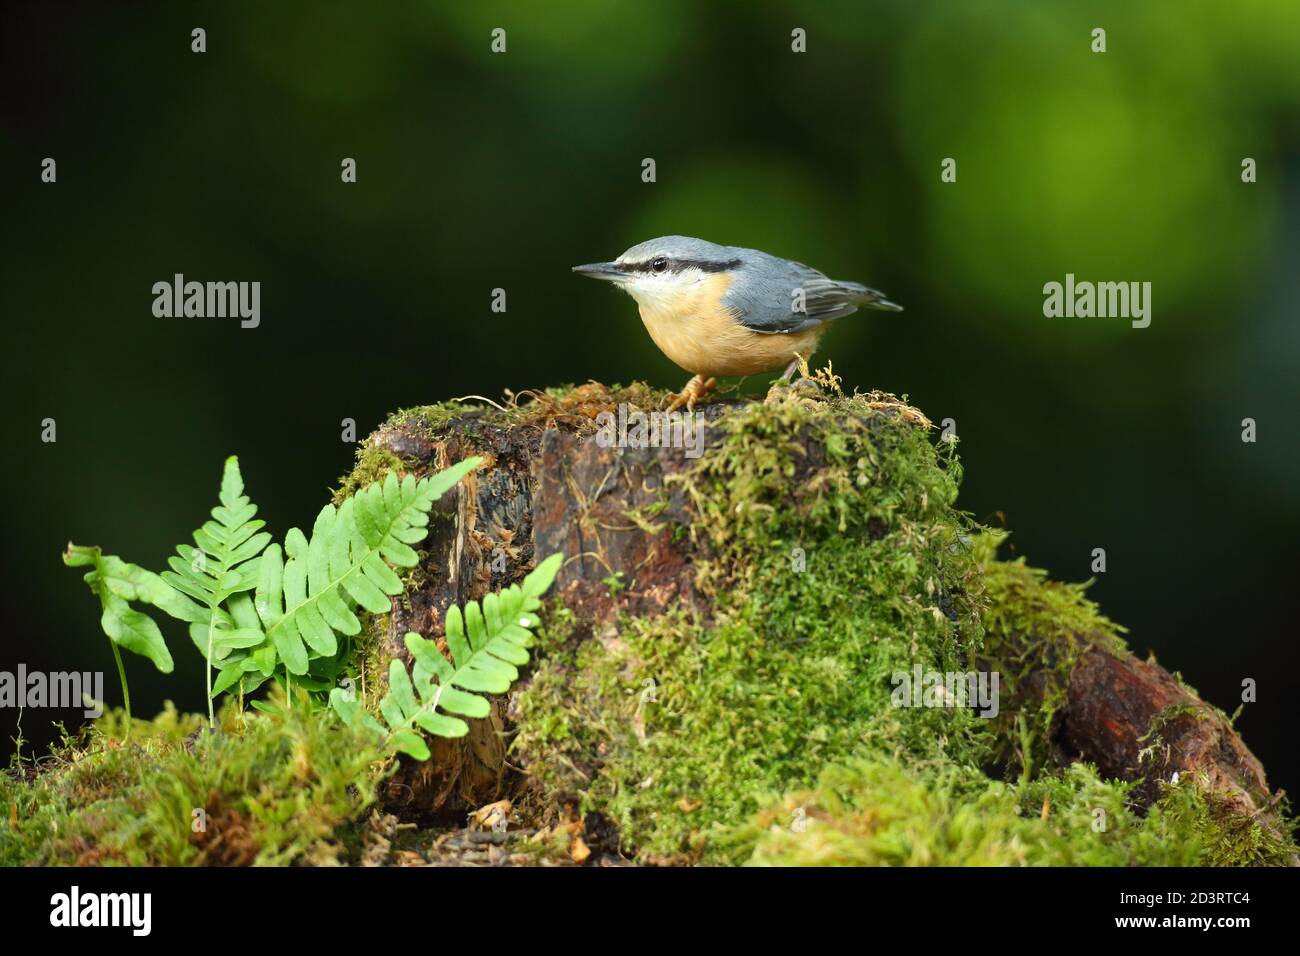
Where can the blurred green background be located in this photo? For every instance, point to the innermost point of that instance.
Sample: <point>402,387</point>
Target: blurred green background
<point>479,170</point>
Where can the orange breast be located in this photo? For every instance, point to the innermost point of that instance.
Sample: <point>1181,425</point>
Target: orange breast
<point>697,332</point>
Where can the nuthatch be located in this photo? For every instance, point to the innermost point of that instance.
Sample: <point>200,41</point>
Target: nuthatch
<point>724,310</point>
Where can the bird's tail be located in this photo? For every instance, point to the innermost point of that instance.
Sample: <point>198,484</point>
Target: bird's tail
<point>870,298</point>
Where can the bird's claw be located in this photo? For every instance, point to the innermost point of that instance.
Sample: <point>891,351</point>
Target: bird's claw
<point>802,389</point>
<point>694,390</point>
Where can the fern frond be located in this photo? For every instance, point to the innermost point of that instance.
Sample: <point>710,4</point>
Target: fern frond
<point>117,583</point>
<point>253,607</point>
<point>305,596</point>
<point>487,646</point>
<point>221,563</point>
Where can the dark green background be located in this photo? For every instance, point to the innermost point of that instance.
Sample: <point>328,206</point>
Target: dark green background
<point>479,171</point>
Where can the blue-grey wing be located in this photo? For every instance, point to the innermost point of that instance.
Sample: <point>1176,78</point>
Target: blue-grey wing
<point>778,296</point>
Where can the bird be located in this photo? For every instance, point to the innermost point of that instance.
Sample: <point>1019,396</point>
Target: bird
<point>727,310</point>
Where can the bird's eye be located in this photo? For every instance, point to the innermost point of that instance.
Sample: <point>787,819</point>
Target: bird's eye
<point>659,264</point>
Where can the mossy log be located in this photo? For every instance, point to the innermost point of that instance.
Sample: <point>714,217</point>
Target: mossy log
<point>1120,709</point>
<point>1134,720</point>
<point>631,522</point>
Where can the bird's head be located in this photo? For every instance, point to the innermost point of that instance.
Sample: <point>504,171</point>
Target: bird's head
<point>663,269</point>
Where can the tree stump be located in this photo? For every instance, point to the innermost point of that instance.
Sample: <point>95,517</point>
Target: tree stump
<point>549,485</point>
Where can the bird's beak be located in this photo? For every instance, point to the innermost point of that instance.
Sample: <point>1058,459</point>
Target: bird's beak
<point>608,271</point>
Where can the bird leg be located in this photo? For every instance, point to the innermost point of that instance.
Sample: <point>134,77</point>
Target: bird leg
<point>693,391</point>
<point>793,387</point>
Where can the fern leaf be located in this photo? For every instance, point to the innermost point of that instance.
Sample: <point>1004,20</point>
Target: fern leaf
<point>221,564</point>
<point>488,644</point>
<point>227,677</point>
<point>304,598</point>
<point>252,605</point>
<point>117,583</point>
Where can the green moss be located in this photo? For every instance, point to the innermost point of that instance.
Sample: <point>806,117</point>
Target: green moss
<point>1034,628</point>
<point>430,419</point>
<point>686,730</point>
<point>374,462</point>
<point>1153,738</point>
<point>473,418</point>
<point>575,407</point>
<point>271,790</point>
<point>793,670</point>
<point>830,556</point>
<point>884,812</point>
<point>1038,627</point>
<point>1232,838</point>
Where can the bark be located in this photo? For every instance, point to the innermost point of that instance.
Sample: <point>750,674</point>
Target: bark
<point>1134,720</point>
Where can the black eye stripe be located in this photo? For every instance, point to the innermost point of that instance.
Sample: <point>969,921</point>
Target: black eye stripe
<point>677,265</point>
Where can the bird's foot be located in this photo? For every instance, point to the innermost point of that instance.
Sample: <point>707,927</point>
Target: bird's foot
<point>797,364</point>
<point>802,390</point>
<point>807,387</point>
<point>693,391</point>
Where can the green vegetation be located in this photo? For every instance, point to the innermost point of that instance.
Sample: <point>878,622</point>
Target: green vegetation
<point>793,671</point>
<point>263,788</point>
<point>487,647</point>
<point>1112,166</point>
<point>289,783</point>
<point>876,811</point>
<point>116,583</point>
<point>1037,627</point>
<point>761,727</point>
<point>836,559</point>
<point>288,627</point>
